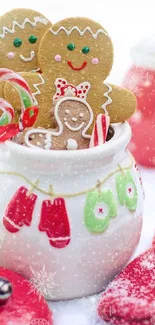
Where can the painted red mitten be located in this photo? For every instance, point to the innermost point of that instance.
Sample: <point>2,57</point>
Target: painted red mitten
<point>19,210</point>
<point>54,221</point>
<point>130,298</point>
<point>22,305</point>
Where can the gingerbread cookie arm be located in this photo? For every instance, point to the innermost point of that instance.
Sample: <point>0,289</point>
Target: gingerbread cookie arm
<point>122,104</point>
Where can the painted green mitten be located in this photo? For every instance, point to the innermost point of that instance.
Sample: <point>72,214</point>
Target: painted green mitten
<point>127,191</point>
<point>99,209</point>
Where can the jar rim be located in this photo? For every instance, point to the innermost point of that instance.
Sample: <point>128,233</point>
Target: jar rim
<point>119,141</point>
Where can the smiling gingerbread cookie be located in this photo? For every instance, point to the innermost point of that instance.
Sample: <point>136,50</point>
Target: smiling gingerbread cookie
<point>80,51</point>
<point>73,117</point>
<point>20,33</point>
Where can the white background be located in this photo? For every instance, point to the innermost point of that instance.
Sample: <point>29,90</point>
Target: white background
<point>127,21</point>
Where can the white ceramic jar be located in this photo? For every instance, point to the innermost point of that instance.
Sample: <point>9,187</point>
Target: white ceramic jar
<point>81,224</point>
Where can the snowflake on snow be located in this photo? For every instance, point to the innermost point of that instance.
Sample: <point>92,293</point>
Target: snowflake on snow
<point>43,282</point>
<point>39,321</point>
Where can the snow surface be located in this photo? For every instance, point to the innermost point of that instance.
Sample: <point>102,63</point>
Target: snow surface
<point>83,311</point>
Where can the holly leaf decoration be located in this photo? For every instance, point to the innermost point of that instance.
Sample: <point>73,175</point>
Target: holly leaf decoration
<point>99,209</point>
<point>29,116</point>
<point>127,191</point>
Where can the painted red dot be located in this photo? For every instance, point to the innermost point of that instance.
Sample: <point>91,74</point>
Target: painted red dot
<point>80,91</point>
<point>59,80</point>
<point>84,91</point>
<point>78,96</point>
<point>64,82</point>
<point>59,86</point>
<point>56,97</point>
<point>82,96</point>
<point>57,94</point>
<point>86,87</point>
<point>81,86</point>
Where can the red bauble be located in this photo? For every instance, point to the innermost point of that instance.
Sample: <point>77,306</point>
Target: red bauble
<point>25,306</point>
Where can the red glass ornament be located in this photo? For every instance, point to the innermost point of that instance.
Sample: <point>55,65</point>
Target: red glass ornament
<point>26,305</point>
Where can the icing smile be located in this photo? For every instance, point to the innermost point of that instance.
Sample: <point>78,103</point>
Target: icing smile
<point>75,68</point>
<point>29,59</point>
<point>71,128</point>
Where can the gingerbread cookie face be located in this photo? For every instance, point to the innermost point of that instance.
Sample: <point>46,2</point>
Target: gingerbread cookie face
<point>77,48</point>
<point>20,33</point>
<point>73,117</point>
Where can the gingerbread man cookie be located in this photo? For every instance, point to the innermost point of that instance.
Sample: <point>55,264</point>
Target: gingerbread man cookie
<point>20,33</point>
<point>73,117</point>
<point>80,50</point>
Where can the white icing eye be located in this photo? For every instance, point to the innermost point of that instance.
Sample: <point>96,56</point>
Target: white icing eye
<point>67,111</point>
<point>81,115</point>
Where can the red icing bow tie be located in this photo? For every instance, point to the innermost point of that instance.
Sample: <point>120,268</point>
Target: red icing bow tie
<point>63,89</point>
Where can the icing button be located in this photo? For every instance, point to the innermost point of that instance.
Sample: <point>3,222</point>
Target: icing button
<point>71,144</point>
<point>74,119</point>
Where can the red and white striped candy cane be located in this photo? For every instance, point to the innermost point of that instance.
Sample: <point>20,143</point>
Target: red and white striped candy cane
<point>28,111</point>
<point>100,130</point>
<point>8,112</point>
<point>20,84</point>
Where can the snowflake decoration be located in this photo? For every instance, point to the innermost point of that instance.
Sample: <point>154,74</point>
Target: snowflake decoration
<point>43,282</point>
<point>39,321</point>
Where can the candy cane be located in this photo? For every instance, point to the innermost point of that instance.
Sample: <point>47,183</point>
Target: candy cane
<point>100,130</point>
<point>8,112</point>
<point>28,112</point>
<point>20,84</point>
